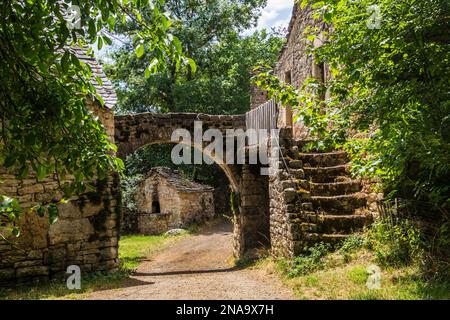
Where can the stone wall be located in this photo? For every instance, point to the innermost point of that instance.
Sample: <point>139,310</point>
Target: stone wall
<point>86,233</point>
<point>257,97</point>
<point>153,223</point>
<point>281,197</point>
<point>167,196</point>
<point>295,64</point>
<point>180,202</point>
<point>251,225</point>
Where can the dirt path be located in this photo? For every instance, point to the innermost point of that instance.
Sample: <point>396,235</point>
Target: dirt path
<point>198,267</point>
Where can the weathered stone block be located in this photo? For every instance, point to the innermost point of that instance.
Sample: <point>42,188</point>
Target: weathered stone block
<point>6,274</point>
<point>32,271</point>
<point>36,188</point>
<point>298,173</point>
<point>289,195</point>
<point>296,164</point>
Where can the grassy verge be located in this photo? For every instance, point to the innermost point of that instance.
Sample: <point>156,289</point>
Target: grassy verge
<point>347,281</point>
<point>132,250</point>
<point>401,259</point>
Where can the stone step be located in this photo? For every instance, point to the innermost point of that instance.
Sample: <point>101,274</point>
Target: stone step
<point>296,164</point>
<point>309,239</point>
<point>338,224</point>
<point>335,188</point>
<point>326,238</point>
<point>326,174</point>
<point>339,205</point>
<point>325,159</point>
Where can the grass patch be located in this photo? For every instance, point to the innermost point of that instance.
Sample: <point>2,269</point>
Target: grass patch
<point>132,251</point>
<point>337,277</point>
<point>358,275</point>
<point>136,248</point>
<point>56,289</point>
<point>408,265</point>
<point>341,280</point>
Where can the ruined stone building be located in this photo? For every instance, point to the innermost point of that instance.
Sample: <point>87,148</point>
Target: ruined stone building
<point>306,198</point>
<point>295,65</point>
<point>313,197</point>
<point>87,231</point>
<point>165,200</point>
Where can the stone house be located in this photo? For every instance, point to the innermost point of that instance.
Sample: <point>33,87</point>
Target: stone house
<point>86,233</point>
<point>313,196</point>
<point>165,200</point>
<point>295,64</point>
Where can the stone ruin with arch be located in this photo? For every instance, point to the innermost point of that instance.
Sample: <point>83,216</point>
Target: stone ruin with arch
<point>306,198</point>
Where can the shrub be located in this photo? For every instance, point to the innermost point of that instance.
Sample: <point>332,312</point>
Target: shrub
<point>312,261</point>
<point>358,275</point>
<point>395,245</point>
<point>129,187</point>
<point>351,245</point>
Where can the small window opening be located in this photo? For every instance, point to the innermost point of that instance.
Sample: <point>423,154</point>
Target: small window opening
<point>156,207</point>
<point>288,77</point>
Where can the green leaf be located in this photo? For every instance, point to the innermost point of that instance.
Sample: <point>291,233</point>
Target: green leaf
<point>40,211</point>
<point>140,50</point>
<point>52,213</point>
<point>99,43</point>
<point>99,80</point>
<point>148,72</point>
<point>65,63</point>
<point>107,40</point>
<point>177,44</point>
<point>92,30</point>
<point>23,172</point>
<point>151,68</point>
<point>41,172</point>
<point>193,65</point>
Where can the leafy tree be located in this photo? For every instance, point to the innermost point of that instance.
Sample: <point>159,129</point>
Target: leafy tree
<point>391,75</point>
<point>45,125</point>
<point>209,30</point>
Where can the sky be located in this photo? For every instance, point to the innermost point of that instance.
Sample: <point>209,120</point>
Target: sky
<point>276,13</point>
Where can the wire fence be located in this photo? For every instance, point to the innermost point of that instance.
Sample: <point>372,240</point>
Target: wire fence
<point>424,215</point>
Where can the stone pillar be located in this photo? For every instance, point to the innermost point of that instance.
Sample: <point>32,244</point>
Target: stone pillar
<point>282,196</point>
<point>252,221</point>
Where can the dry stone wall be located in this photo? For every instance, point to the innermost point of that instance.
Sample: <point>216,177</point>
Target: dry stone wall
<point>86,233</point>
<point>165,200</point>
<point>282,195</point>
<point>251,223</point>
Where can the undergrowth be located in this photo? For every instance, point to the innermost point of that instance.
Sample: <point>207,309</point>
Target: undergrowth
<point>412,264</point>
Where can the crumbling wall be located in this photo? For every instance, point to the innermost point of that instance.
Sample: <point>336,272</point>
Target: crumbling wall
<point>86,233</point>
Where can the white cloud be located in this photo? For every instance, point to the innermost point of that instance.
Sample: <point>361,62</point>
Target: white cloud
<point>277,13</point>
<point>279,4</point>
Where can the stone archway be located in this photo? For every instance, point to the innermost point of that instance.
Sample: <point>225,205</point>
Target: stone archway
<point>251,220</point>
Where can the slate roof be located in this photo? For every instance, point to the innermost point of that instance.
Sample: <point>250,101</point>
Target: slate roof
<point>177,181</point>
<point>106,90</point>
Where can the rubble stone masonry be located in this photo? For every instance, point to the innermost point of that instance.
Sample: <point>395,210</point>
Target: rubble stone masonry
<point>86,233</point>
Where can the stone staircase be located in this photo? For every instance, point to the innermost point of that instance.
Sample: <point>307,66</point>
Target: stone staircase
<point>330,204</point>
